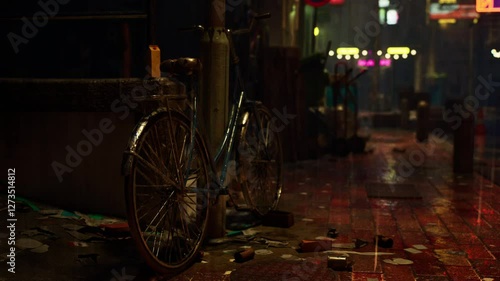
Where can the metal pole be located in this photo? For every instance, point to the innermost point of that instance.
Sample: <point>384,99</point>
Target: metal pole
<point>214,99</point>
<point>315,22</point>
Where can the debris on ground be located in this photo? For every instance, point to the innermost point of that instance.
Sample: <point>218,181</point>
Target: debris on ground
<point>332,233</point>
<point>358,253</point>
<point>413,250</point>
<point>263,252</point>
<point>383,241</point>
<point>78,244</point>
<point>86,258</point>
<point>278,219</point>
<point>339,263</point>
<point>244,255</point>
<point>40,250</point>
<point>398,261</point>
<point>315,245</point>
<point>291,257</point>
<point>27,243</point>
<point>359,243</point>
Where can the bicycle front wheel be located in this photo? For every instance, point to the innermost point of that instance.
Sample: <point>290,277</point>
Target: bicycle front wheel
<point>166,191</point>
<point>259,159</point>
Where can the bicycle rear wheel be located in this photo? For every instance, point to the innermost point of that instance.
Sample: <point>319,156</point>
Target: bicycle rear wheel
<point>166,190</point>
<point>259,159</point>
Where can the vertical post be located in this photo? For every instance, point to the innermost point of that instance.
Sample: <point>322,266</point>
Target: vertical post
<point>463,146</point>
<point>376,73</point>
<point>315,22</point>
<point>214,98</point>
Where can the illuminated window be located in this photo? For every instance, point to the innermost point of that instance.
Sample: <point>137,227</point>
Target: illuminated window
<point>392,17</point>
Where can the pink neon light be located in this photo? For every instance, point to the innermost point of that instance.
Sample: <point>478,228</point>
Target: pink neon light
<point>385,62</point>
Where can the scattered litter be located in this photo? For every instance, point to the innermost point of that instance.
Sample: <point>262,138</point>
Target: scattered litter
<point>339,263</point>
<point>231,252</point>
<point>72,227</point>
<point>383,241</point>
<point>234,233</point>
<point>62,214</point>
<point>116,227</point>
<point>97,220</point>
<point>244,255</point>
<point>303,193</point>
<point>307,220</point>
<point>78,244</point>
<point>358,253</point>
<point>30,233</point>
<point>420,247</point>
<point>487,279</point>
<point>227,272</point>
<point>249,231</point>
<point>28,203</point>
<point>398,261</point>
<point>231,260</point>
<point>246,247</point>
<point>359,243</point>
<point>83,259</point>
<point>27,243</point>
<point>204,261</point>
<point>315,245</point>
<point>50,212</point>
<point>291,257</point>
<point>83,236</point>
<point>40,250</point>
<point>413,251</point>
<point>263,252</point>
<point>274,244</point>
<point>332,233</point>
<point>325,238</point>
<point>344,245</point>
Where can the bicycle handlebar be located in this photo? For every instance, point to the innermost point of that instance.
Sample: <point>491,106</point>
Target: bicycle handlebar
<point>250,27</point>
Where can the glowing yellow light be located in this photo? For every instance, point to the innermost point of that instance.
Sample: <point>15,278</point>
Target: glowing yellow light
<point>364,52</point>
<point>379,53</point>
<point>413,52</point>
<point>331,53</point>
<point>398,50</point>
<point>348,51</point>
<point>316,31</point>
<point>475,20</point>
<point>396,57</point>
<point>348,57</point>
<point>339,57</point>
<point>405,56</point>
<point>356,56</point>
<point>447,21</point>
<point>387,56</point>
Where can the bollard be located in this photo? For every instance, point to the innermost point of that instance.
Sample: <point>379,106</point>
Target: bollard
<point>463,147</point>
<point>405,114</point>
<point>422,121</point>
<point>217,218</point>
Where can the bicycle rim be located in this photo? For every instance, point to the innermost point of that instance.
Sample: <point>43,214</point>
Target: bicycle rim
<point>167,192</point>
<point>259,160</point>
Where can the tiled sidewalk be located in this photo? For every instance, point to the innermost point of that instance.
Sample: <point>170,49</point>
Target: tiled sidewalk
<point>454,223</point>
<point>456,219</point>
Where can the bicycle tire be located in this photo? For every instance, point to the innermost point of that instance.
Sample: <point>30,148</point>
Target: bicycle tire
<point>163,204</point>
<point>259,159</point>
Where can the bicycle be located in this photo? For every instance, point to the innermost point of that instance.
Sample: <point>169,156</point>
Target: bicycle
<point>170,178</point>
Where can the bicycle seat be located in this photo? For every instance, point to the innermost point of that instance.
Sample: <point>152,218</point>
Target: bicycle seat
<point>185,66</point>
